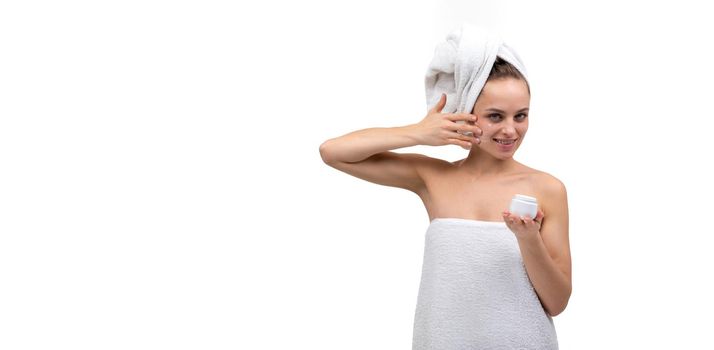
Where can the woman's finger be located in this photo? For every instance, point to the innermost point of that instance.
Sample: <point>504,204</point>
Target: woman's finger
<point>463,137</point>
<point>454,126</point>
<point>439,105</point>
<point>509,218</point>
<point>459,136</point>
<point>464,144</point>
<point>461,116</point>
<point>471,129</point>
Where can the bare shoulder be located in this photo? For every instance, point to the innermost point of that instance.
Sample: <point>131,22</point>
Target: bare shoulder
<point>549,183</point>
<point>552,192</point>
<point>542,181</point>
<point>431,170</point>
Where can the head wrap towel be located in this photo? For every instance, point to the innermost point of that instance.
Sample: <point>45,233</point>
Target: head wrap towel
<point>461,65</point>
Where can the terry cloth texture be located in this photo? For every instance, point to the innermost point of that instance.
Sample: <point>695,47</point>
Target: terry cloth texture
<point>475,292</point>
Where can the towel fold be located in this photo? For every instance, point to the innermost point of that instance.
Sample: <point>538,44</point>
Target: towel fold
<point>461,65</point>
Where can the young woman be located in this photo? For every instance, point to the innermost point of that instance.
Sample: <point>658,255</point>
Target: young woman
<point>490,278</point>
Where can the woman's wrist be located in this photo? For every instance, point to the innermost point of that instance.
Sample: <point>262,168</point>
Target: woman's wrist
<point>410,134</point>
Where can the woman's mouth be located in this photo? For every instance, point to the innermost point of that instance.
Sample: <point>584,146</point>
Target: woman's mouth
<point>505,141</point>
<point>506,144</point>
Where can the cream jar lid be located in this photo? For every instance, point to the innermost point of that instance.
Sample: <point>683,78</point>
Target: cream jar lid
<point>525,198</point>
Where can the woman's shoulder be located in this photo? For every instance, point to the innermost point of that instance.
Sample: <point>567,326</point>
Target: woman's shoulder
<point>547,184</point>
<point>544,179</point>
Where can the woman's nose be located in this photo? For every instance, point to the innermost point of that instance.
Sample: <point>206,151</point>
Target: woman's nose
<point>509,127</point>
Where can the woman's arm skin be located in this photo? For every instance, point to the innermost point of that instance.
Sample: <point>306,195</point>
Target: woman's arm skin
<point>365,153</point>
<point>358,145</point>
<point>362,154</point>
<point>436,129</point>
<point>547,256</point>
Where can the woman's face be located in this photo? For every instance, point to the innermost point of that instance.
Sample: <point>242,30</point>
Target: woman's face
<point>502,110</point>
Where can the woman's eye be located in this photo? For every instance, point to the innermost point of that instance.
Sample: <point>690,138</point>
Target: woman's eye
<point>496,115</point>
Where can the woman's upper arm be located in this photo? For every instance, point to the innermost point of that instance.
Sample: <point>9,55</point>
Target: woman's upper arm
<point>554,230</point>
<point>388,169</point>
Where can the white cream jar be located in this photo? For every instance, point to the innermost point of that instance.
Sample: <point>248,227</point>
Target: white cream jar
<point>522,205</point>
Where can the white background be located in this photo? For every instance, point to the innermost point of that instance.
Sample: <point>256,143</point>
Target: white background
<point>161,185</point>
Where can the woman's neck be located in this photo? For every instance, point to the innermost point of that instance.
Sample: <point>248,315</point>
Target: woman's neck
<point>482,164</point>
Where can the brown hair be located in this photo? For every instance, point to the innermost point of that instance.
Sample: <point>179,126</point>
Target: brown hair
<point>502,69</point>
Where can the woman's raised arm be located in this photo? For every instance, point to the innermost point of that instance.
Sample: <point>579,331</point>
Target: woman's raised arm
<point>366,153</point>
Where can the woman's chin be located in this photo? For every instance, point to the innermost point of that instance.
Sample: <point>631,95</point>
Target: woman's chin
<point>499,153</point>
<point>505,155</point>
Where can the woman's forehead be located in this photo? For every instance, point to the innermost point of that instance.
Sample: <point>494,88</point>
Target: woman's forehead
<point>510,94</point>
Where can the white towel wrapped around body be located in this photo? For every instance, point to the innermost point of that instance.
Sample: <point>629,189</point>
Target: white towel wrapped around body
<point>461,65</point>
<point>475,292</point>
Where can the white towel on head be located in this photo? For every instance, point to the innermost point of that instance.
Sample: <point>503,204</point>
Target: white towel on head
<point>461,65</point>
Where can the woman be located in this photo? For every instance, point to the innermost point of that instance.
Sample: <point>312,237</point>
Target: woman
<point>490,279</point>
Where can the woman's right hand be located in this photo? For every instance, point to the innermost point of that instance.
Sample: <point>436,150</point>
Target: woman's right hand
<point>438,129</point>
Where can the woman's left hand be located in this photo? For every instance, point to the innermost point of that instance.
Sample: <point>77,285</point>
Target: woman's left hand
<point>523,226</point>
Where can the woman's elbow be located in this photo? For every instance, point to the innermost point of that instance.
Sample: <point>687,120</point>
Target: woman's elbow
<point>325,154</point>
<point>560,308</point>
<point>555,312</point>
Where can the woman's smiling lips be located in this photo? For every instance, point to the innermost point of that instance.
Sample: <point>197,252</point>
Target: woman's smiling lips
<point>505,147</point>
